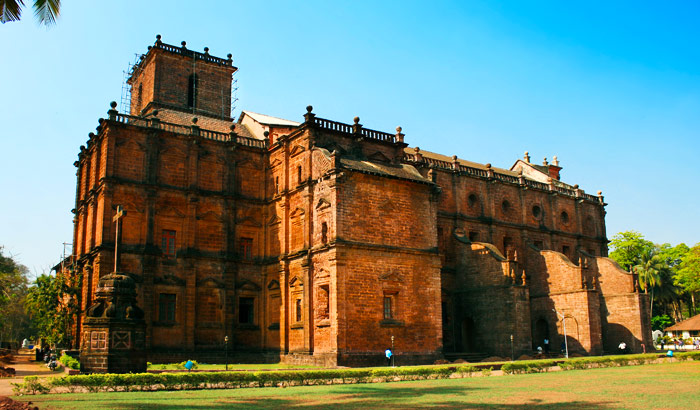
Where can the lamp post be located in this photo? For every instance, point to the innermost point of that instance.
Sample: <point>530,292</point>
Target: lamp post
<point>226,344</point>
<point>563,321</point>
<point>393,361</point>
<point>512,350</point>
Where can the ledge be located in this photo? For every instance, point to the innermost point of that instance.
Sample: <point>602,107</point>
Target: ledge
<point>391,323</point>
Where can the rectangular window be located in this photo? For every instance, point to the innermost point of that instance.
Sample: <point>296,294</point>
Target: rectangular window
<point>168,244</point>
<point>388,307</point>
<point>166,307</point>
<point>298,311</point>
<point>246,248</point>
<point>246,310</point>
<point>324,233</point>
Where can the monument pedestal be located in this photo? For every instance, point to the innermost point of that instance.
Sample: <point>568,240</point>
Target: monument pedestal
<point>113,337</point>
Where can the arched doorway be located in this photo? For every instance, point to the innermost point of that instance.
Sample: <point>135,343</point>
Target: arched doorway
<point>540,332</point>
<point>468,335</point>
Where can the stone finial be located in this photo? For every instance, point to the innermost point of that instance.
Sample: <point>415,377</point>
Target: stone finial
<point>399,135</point>
<point>155,113</point>
<point>230,58</point>
<point>112,112</point>
<point>309,116</point>
<point>266,134</point>
<point>158,37</point>
<point>233,127</point>
<point>91,135</point>
<point>576,186</point>
<point>555,161</point>
<point>527,157</point>
<point>600,193</point>
<point>335,159</point>
<point>194,120</point>
<point>206,50</point>
<point>524,278</point>
<point>357,127</point>
<point>184,45</point>
<point>515,255</point>
<point>488,165</point>
<point>419,156</point>
<point>544,162</point>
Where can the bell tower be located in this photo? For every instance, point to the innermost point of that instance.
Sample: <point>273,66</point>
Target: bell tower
<point>180,79</point>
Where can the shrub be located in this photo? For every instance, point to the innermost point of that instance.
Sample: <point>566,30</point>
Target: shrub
<point>69,362</point>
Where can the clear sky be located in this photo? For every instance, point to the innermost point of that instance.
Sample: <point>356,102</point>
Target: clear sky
<point>611,88</point>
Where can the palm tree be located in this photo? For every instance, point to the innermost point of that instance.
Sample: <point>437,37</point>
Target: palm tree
<point>45,11</point>
<point>650,270</point>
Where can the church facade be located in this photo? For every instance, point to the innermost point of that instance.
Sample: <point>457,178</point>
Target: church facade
<point>324,242</point>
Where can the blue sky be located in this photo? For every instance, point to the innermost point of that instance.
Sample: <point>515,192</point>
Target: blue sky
<point>611,88</point>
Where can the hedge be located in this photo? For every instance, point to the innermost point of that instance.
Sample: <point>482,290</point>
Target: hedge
<point>242,379</point>
<point>237,379</point>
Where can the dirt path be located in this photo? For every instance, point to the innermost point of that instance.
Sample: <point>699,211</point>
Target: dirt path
<point>24,365</point>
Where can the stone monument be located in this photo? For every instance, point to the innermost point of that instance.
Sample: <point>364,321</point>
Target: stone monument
<point>113,337</point>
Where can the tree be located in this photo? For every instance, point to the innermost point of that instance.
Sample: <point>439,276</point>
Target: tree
<point>45,11</point>
<point>649,271</point>
<point>628,248</point>
<point>688,275</point>
<point>660,322</point>
<point>14,321</point>
<point>53,304</point>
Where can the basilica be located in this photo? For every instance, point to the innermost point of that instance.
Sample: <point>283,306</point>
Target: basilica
<point>322,242</point>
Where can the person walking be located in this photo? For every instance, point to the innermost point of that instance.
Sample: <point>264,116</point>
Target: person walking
<point>388,353</point>
<point>546,345</point>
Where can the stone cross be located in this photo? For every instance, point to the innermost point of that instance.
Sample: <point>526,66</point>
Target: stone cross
<point>120,214</point>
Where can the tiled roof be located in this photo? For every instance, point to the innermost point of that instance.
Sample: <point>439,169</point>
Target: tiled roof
<point>440,157</point>
<point>268,120</point>
<point>402,171</point>
<point>689,324</point>
<point>204,122</point>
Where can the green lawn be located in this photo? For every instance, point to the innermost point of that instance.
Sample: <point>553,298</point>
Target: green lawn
<point>658,386</point>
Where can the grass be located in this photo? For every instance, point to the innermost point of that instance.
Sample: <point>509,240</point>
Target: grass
<point>657,386</point>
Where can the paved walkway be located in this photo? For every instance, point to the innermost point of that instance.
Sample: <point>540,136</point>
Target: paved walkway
<point>24,365</point>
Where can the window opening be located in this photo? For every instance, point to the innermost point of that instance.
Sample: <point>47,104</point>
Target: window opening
<point>246,309</point>
<point>298,311</point>
<point>246,248</point>
<point>168,243</point>
<point>166,307</point>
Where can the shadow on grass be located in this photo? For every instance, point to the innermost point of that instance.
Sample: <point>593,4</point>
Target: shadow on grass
<point>344,397</point>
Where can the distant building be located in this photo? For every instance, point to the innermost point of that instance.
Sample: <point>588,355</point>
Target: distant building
<point>320,241</point>
<point>685,329</point>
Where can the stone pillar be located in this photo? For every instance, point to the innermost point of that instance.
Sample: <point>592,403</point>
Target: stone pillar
<point>113,334</point>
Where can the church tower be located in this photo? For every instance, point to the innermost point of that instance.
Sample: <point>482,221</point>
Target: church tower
<point>176,78</point>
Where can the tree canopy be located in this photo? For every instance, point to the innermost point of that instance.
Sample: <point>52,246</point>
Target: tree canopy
<point>14,322</point>
<point>45,11</point>
<point>629,247</point>
<point>671,274</point>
